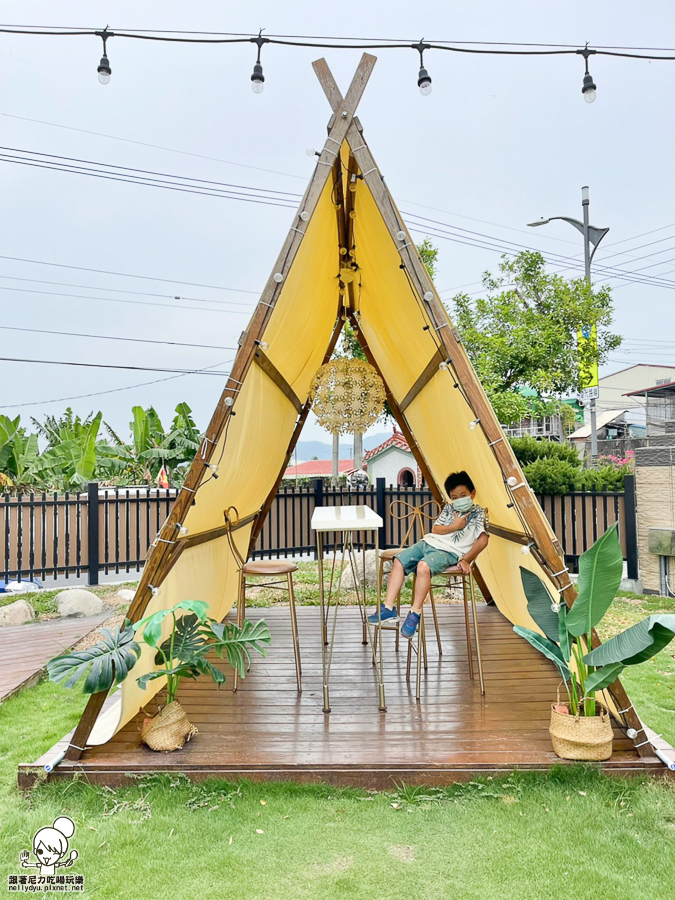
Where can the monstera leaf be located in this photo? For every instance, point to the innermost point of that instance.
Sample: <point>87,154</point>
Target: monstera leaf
<point>600,571</point>
<point>187,641</point>
<point>108,662</point>
<point>235,642</point>
<point>539,604</point>
<point>547,647</point>
<point>152,625</point>
<point>636,644</point>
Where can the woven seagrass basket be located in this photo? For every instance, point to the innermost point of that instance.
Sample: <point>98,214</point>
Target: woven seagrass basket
<point>582,737</point>
<point>169,729</point>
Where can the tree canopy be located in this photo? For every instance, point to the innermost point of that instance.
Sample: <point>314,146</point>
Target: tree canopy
<point>524,332</point>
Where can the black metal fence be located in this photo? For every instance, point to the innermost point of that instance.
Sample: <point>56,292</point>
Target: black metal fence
<point>110,530</point>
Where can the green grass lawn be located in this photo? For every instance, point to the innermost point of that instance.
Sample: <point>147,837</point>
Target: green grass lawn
<point>572,833</point>
<point>43,602</point>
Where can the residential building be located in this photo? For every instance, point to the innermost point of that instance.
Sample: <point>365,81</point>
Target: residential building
<point>658,402</point>
<point>625,390</point>
<point>393,460</point>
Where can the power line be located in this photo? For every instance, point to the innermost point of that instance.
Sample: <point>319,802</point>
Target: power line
<point>129,387</point>
<point>241,312</point>
<point>97,287</point>
<point>39,262</point>
<point>56,362</point>
<point>108,337</point>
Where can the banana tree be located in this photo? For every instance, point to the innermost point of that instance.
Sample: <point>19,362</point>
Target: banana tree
<point>193,635</point>
<point>567,633</point>
<point>18,452</point>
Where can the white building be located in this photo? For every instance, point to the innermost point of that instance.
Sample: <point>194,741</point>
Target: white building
<point>393,460</point>
<point>614,387</point>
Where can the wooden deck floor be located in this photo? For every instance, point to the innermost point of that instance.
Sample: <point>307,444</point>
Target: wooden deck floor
<point>25,650</point>
<point>267,731</point>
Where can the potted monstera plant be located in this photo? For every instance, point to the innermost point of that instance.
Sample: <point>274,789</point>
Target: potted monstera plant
<point>581,727</point>
<point>182,654</point>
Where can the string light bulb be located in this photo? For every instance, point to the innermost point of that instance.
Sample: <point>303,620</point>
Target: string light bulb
<point>428,296</point>
<point>423,77</point>
<point>556,607</point>
<point>182,530</point>
<point>512,481</point>
<point>588,89</point>
<point>526,549</point>
<point>473,425</point>
<point>443,366</point>
<point>214,469</point>
<point>154,590</point>
<point>278,277</point>
<point>304,215</point>
<point>257,78</point>
<point>400,235</point>
<point>104,70</point>
<point>631,733</point>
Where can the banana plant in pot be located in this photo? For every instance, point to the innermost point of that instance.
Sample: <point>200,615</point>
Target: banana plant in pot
<point>581,728</point>
<point>182,654</point>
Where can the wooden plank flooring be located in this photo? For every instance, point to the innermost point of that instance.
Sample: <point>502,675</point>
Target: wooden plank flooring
<point>26,649</point>
<point>267,731</point>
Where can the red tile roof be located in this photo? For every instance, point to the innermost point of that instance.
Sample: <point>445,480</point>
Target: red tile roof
<point>396,440</point>
<point>319,468</point>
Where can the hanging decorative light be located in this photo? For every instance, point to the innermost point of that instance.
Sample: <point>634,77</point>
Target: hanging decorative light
<point>347,396</point>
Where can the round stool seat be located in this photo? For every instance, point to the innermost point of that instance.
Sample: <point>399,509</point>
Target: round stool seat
<point>390,553</point>
<point>269,567</point>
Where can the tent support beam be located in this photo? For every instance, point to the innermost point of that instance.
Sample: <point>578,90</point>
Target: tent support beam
<point>531,512</point>
<point>268,367</point>
<point>430,370</point>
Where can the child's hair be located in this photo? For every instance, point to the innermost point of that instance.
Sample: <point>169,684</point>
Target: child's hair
<point>55,839</point>
<point>458,479</point>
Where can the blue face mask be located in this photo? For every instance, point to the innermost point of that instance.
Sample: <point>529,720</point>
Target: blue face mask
<point>463,505</point>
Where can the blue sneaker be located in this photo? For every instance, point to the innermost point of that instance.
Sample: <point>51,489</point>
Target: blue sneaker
<point>409,627</point>
<point>386,615</point>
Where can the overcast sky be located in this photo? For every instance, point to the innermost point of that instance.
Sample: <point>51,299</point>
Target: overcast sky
<point>500,141</point>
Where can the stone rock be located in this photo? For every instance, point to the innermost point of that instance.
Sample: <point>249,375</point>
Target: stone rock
<point>78,602</point>
<point>125,595</point>
<point>372,562</point>
<point>16,613</point>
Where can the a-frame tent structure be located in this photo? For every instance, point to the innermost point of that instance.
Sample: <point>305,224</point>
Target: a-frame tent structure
<point>348,256</point>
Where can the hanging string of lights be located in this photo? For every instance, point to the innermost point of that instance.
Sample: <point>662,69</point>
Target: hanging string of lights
<point>589,88</point>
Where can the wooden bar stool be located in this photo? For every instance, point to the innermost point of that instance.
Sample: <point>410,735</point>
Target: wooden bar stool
<point>416,514</point>
<point>454,573</point>
<point>267,569</point>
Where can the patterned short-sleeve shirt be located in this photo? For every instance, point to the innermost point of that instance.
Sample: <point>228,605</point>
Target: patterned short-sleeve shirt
<point>458,542</point>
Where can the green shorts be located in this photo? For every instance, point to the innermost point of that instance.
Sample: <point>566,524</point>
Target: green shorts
<point>437,560</point>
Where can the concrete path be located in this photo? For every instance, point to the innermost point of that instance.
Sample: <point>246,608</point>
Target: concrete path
<point>25,650</point>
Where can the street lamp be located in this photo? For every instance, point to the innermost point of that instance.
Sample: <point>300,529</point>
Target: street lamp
<point>592,235</point>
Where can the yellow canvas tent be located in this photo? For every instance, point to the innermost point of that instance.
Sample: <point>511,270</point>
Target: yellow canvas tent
<point>348,257</point>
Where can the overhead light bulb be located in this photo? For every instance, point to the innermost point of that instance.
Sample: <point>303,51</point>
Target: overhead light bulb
<point>424,82</point>
<point>428,296</point>
<point>526,549</point>
<point>474,424</point>
<point>631,733</point>
<point>310,151</point>
<point>278,277</point>
<point>304,215</point>
<point>589,89</point>
<point>400,235</point>
<point>228,401</point>
<point>512,481</point>
<point>104,70</point>
<point>257,79</point>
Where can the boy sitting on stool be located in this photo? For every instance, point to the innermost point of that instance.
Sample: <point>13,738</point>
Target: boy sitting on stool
<point>457,537</point>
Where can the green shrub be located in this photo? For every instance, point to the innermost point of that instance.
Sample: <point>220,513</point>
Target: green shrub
<point>529,449</point>
<point>552,476</point>
<point>602,478</point>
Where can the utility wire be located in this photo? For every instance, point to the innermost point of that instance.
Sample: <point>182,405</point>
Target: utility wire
<point>109,337</point>
<point>129,387</point>
<point>57,362</point>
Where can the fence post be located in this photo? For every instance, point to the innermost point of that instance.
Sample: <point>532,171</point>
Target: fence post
<point>92,532</point>
<point>380,487</point>
<point>318,501</point>
<point>630,513</point>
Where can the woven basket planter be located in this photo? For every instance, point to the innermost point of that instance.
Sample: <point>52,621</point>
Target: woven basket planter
<point>169,729</point>
<point>586,738</point>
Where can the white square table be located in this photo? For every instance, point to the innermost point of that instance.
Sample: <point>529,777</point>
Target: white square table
<point>346,521</point>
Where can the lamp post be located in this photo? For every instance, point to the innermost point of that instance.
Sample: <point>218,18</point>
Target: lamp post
<point>592,235</point>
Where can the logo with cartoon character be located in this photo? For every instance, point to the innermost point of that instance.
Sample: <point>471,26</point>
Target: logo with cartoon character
<point>50,847</point>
